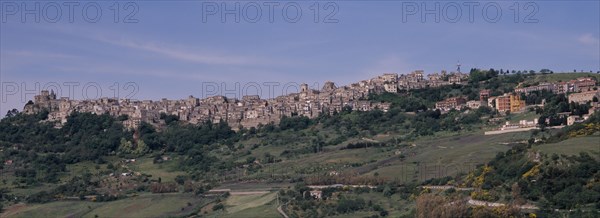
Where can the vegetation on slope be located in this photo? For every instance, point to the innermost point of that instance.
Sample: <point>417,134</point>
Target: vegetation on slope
<point>206,154</point>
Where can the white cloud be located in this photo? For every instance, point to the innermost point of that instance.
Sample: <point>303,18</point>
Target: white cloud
<point>179,52</point>
<point>184,55</point>
<point>170,51</point>
<point>589,40</point>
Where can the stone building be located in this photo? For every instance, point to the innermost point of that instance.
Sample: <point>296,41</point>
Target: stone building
<point>584,97</point>
<point>451,103</point>
<point>484,94</point>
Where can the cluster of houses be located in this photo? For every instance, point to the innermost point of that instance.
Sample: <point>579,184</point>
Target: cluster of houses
<point>583,84</point>
<point>531,124</point>
<point>504,103</point>
<point>416,80</point>
<point>251,111</point>
<point>582,90</point>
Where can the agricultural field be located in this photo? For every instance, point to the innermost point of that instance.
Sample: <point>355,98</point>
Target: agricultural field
<point>451,153</point>
<point>148,205</point>
<point>446,156</point>
<point>263,211</point>
<point>246,204</point>
<point>527,115</point>
<point>424,158</point>
<point>72,170</point>
<point>394,204</point>
<point>555,77</point>
<point>574,146</point>
<point>167,170</point>
<point>237,204</point>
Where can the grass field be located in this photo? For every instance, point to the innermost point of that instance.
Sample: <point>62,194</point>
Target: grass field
<point>72,170</point>
<point>574,146</point>
<point>439,157</point>
<point>263,211</point>
<point>451,153</point>
<point>528,115</point>
<point>166,171</point>
<point>239,203</point>
<point>54,209</point>
<point>561,77</point>
<point>262,205</point>
<point>150,205</point>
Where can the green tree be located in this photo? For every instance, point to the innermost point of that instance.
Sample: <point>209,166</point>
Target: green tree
<point>125,147</point>
<point>218,206</point>
<point>12,113</point>
<point>141,148</point>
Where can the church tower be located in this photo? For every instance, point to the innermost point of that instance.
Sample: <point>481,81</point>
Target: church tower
<point>304,88</point>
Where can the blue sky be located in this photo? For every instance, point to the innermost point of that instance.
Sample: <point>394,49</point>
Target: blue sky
<point>170,52</point>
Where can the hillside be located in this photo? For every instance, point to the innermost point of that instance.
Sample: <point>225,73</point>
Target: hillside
<point>381,158</point>
<point>557,77</point>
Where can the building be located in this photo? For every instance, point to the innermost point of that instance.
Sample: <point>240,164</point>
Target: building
<point>491,102</point>
<point>522,124</point>
<point>575,119</point>
<point>329,86</point>
<point>509,103</point>
<point>547,86</point>
<point>451,103</point>
<point>564,87</point>
<point>484,94</point>
<point>390,77</point>
<point>435,77</point>
<point>541,87</point>
<point>317,194</point>
<point>416,76</point>
<point>584,84</point>
<point>503,103</point>
<point>527,123</point>
<point>413,80</point>
<point>303,88</point>
<point>454,79</point>
<point>474,104</point>
<point>516,104</point>
<point>45,100</point>
<point>584,97</point>
<point>391,87</point>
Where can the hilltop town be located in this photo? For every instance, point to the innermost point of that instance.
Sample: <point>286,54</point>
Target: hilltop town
<point>251,111</point>
<point>385,139</point>
<point>300,109</point>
